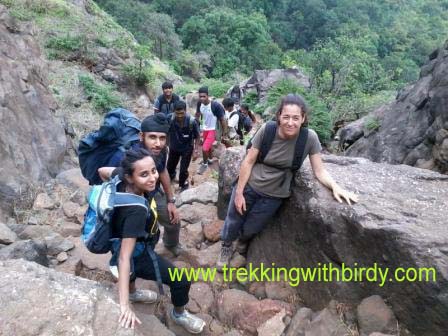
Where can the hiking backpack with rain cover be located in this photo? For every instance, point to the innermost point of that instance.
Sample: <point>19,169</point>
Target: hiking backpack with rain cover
<point>119,131</point>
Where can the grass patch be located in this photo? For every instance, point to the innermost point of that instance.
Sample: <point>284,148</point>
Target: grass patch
<point>102,96</point>
<point>372,123</point>
<point>67,42</point>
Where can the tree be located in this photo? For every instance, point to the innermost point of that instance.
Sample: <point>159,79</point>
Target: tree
<point>234,41</point>
<point>149,28</point>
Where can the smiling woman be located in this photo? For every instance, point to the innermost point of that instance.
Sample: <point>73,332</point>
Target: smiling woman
<point>137,233</point>
<point>277,152</point>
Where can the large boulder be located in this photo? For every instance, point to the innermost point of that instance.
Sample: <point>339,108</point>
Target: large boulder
<point>229,167</point>
<point>32,138</point>
<point>414,128</point>
<point>400,221</point>
<point>263,80</point>
<point>39,301</point>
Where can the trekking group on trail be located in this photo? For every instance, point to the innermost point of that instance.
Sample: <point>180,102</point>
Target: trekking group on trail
<point>139,164</point>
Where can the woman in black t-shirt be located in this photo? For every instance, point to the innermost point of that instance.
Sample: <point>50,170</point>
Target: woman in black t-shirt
<point>132,224</point>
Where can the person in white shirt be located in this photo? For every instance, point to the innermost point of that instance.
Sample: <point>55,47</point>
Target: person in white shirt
<point>233,118</point>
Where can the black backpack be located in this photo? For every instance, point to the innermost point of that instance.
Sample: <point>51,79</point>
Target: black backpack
<point>268,139</point>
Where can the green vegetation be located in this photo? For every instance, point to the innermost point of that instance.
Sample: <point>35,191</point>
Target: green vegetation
<point>216,88</point>
<point>142,71</point>
<point>372,123</point>
<point>149,27</point>
<point>102,96</point>
<point>231,38</point>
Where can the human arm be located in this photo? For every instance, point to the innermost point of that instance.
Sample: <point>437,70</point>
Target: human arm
<point>197,140</point>
<point>164,178</point>
<point>325,178</point>
<point>157,105</point>
<point>225,130</point>
<point>127,317</point>
<point>244,174</point>
<point>106,172</point>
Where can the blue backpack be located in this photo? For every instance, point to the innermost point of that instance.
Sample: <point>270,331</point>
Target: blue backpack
<point>119,131</point>
<point>96,231</point>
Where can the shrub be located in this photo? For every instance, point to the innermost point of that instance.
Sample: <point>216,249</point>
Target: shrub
<point>66,43</point>
<point>102,96</point>
<point>372,123</point>
<point>141,71</point>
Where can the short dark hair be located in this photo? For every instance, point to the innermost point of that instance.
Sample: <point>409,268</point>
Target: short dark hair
<point>167,85</point>
<point>180,105</point>
<point>203,89</point>
<point>228,102</point>
<point>244,106</point>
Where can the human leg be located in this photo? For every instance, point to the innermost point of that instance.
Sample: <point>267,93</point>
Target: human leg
<point>173,160</point>
<point>234,224</point>
<point>179,288</point>
<point>184,164</point>
<point>171,231</point>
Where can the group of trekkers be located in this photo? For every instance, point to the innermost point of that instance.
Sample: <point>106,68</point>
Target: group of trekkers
<point>275,153</point>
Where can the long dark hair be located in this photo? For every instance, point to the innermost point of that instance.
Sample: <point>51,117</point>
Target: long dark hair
<point>130,157</point>
<point>294,99</point>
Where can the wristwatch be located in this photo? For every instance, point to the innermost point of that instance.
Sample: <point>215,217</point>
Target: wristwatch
<point>172,200</point>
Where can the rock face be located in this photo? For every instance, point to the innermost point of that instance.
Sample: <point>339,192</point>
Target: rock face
<point>262,80</point>
<point>35,300</point>
<point>413,129</point>
<point>32,139</point>
<point>229,166</point>
<point>400,221</point>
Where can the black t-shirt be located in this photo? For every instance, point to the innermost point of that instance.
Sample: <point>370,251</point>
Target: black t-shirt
<point>181,137</point>
<point>132,221</point>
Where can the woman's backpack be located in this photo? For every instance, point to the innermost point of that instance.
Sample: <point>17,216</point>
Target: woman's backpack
<point>96,232</point>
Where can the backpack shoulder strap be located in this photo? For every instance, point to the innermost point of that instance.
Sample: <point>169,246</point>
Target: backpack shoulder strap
<point>127,199</point>
<point>268,139</point>
<point>299,149</point>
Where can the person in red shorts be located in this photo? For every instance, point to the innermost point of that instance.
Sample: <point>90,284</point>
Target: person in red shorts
<point>210,111</point>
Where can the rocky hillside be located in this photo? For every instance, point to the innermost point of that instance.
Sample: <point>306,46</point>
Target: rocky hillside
<point>65,63</point>
<point>413,130</point>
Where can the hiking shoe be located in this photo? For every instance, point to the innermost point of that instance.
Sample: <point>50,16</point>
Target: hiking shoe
<point>184,187</point>
<point>189,322</point>
<point>210,162</point>
<point>143,295</point>
<point>176,250</point>
<point>224,257</point>
<point>241,246</point>
<point>202,168</point>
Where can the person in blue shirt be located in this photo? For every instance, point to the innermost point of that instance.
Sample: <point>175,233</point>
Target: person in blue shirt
<point>184,140</point>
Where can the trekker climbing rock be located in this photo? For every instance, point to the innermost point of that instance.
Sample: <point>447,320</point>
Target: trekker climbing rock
<point>277,151</point>
<point>233,121</point>
<point>249,118</point>
<point>137,231</point>
<point>165,102</point>
<point>184,140</point>
<point>153,137</point>
<point>210,111</point>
